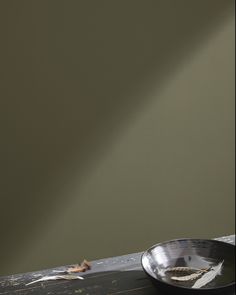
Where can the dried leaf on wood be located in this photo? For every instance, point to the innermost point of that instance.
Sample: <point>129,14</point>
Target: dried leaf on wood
<point>84,266</point>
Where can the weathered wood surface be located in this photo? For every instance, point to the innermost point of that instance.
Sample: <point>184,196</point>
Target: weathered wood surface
<point>113,276</point>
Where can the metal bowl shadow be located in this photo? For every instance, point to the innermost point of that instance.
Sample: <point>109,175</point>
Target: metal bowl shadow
<point>194,253</point>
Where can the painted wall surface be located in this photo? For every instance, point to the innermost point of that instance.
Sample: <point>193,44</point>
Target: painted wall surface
<point>117,127</point>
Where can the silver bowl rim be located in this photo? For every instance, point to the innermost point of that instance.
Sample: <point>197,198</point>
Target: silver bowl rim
<point>182,287</point>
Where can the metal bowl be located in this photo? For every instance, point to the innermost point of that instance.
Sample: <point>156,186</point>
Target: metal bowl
<point>191,253</point>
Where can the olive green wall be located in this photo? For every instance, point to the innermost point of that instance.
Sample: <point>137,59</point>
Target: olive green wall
<point>117,127</point>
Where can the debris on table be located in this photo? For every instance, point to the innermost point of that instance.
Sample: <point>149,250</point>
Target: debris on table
<point>68,274</point>
<point>56,277</point>
<point>84,266</point>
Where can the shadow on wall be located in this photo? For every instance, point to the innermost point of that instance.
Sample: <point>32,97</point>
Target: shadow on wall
<point>72,74</point>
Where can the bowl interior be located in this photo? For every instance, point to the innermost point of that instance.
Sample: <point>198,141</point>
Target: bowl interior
<point>191,253</point>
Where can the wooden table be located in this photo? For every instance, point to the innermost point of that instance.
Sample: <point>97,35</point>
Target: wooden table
<point>121,275</point>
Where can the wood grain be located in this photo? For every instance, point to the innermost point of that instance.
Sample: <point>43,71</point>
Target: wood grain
<point>111,276</point>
